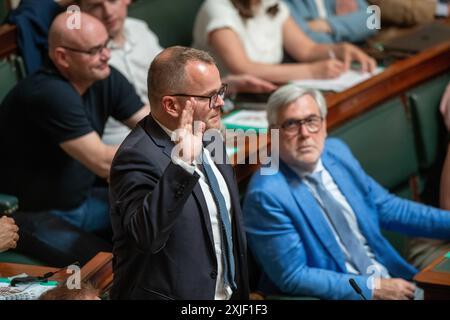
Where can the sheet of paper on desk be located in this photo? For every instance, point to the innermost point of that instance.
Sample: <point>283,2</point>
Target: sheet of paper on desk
<point>344,82</point>
<point>30,291</point>
<point>246,119</point>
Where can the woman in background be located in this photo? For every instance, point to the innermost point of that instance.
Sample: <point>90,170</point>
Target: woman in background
<point>249,36</point>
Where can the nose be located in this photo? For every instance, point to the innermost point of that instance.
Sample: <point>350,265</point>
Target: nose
<point>219,102</point>
<point>105,54</point>
<point>303,131</point>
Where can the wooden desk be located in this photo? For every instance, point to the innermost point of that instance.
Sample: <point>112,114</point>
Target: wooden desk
<point>435,284</point>
<point>98,271</point>
<point>395,81</point>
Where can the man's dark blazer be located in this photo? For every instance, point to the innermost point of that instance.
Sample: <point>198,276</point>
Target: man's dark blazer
<point>163,241</point>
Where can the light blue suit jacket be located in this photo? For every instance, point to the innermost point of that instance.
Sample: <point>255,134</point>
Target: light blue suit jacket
<point>351,27</point>
<point>290,238</point>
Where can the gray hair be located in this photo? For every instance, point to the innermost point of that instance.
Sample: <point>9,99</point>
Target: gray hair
<point>288,94</point>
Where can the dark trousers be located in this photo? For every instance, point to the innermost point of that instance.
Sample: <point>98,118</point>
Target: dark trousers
<point>60,238</point>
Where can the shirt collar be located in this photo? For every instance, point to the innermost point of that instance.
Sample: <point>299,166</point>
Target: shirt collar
<point>166,130</point>
<point>301,173</point>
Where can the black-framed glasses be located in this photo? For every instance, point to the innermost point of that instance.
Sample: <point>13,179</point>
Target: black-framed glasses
<point>92,51</point>
<point>292,126</point>
<point>212,99</point>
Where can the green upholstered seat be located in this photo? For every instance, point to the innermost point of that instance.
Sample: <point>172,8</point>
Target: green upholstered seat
<point>427,120</point>
<point>9,76</point>
<point>13,256</point>
<point>383,141</point>
<point>172,21</point>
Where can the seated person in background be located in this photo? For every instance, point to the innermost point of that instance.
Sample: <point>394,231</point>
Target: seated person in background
<point>51,124</point>
<point>315,224</point>
<point>408,13</point>
<point>248,36</point>
<point>86,292</point>
<point>328,21</point>
<point>133,48</point>
<point>423,251</point>
<point>8,234</point>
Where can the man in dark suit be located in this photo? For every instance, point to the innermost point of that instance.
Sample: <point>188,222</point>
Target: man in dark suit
<point>175,213</point>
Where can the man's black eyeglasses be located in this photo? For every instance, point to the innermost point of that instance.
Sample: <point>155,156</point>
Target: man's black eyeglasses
<point>92,51</point>
<point>313,124</point>
<point>212,98</point>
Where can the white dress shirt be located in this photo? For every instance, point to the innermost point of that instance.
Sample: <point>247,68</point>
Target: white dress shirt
<point>349,215</point>
<point>261,36</point>
<point>222,292</point>
<point>133,60</point>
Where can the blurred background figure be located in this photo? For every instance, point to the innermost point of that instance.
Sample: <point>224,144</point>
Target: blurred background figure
<point>329,21</point>
<point>249,36</point>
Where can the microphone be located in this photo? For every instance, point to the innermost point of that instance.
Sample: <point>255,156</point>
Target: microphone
<point>31,279</point>
<point>356,288</point>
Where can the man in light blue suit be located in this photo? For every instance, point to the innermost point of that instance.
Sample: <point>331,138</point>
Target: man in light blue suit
<point>316,223</point>
<point>329,21</point>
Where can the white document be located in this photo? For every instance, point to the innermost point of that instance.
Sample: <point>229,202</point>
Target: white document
<point>343,82</point>
<point>29,291</point>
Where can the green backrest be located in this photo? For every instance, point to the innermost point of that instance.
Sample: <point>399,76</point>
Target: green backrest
<point>3,10</point>
<point>12,256</point>
<point>383,141</point>
<point>172,21</point>
<point>8,77</point>
<point>428,126</point>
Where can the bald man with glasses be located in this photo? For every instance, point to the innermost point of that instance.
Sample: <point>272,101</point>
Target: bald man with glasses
<point>50,129</point>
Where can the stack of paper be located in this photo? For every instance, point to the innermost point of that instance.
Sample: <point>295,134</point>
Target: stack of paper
<point>343,82</point>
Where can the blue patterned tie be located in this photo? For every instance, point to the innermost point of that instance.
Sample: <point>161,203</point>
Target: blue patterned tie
<point>227,243</point>
<point>334,210</point>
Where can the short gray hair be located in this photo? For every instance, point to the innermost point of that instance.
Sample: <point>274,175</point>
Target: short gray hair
<point>288,94</point>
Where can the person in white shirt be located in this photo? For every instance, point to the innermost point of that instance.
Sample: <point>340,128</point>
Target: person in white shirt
<point>133,46</point>
<point>250,36</point>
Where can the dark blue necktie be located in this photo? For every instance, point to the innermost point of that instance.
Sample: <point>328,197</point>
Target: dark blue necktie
<point>224,221</point>
<point>334,210</point>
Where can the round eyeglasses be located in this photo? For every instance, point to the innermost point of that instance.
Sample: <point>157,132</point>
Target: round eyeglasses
<point>292,126</point>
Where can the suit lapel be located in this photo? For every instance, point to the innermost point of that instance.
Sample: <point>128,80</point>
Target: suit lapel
<point>311,210</point>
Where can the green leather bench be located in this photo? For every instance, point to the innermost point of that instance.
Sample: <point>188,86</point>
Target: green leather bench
<point>172,21</point>
<point>383,141</point>
<point>427,120</point>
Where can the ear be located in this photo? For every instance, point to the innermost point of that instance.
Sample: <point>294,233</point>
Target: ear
<point>171,106</point>
<point>60,58</point>
<point>324,126</point>
<point>127,2</point>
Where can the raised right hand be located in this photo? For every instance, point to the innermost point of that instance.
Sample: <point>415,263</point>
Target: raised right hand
<point>394,289</point>
<point>8,233</point>
<point>189,135</point>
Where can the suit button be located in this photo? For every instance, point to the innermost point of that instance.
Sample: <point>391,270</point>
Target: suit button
<point>213,275</point>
